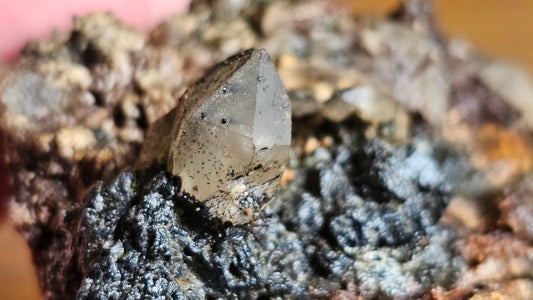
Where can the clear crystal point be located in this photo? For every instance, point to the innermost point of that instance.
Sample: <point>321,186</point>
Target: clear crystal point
<point>229,136</point>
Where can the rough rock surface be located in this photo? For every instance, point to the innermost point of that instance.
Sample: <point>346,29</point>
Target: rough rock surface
<point>335,225</point>
<point>142,239</point>
<point>359,211</point>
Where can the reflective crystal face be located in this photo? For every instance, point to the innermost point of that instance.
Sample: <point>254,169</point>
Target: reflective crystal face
<point>230,138</point>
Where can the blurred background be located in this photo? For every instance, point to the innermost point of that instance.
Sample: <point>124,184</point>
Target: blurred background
<point>500,29</point>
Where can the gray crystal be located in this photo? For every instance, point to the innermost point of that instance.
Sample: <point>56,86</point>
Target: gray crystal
<point>229,136</point>
<point>366,101</point>
<point>371,105</point>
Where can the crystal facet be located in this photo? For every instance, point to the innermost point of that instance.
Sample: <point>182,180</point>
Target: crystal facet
<point>228,138</point>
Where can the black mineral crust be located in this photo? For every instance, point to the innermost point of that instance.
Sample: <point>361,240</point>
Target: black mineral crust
<point>141,239</point>
<point>352,216</point>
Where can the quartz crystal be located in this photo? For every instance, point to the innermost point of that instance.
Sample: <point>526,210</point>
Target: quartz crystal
<point>228,138</point>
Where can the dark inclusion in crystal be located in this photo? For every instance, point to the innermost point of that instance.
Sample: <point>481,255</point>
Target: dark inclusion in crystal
<point>228,138</point>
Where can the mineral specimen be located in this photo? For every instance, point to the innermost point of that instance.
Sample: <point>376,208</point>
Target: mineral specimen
<point>366,217</point>
<point>141,239</point>
<point>228,138</point>
<point>359,213</point>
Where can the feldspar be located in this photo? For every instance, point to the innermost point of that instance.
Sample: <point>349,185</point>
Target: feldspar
<point>228,138</point>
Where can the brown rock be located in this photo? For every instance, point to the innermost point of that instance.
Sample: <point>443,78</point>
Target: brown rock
<point>474,215</point>
<point>495,258</point>
<point>517,208</point>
